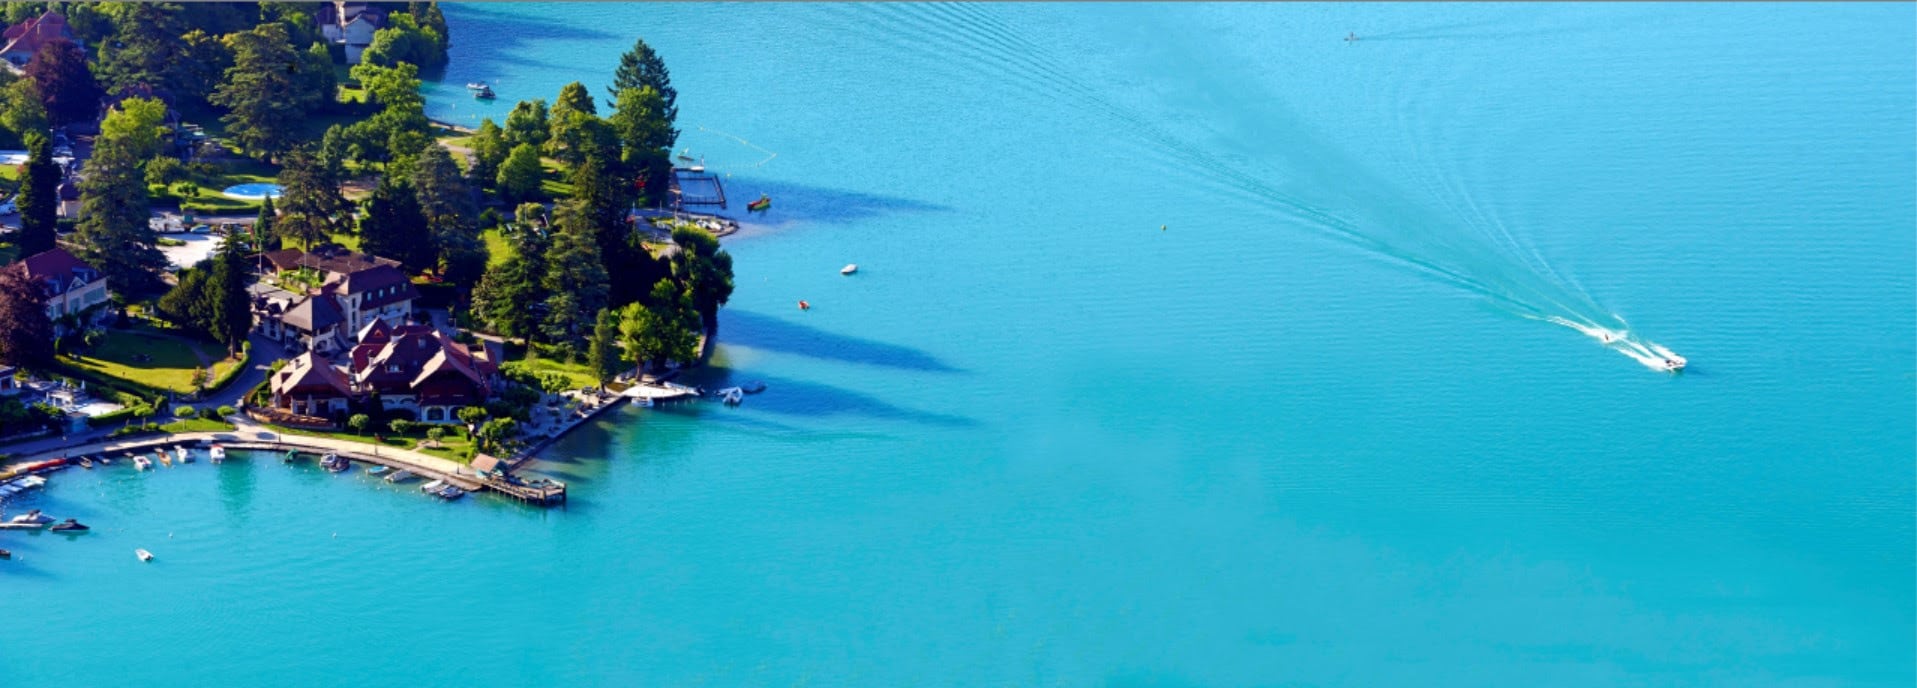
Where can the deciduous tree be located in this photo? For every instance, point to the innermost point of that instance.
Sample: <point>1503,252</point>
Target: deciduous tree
<point>521,175</point>
<point>65,83</point>
<point>663,328</point>
<point>26,334</point>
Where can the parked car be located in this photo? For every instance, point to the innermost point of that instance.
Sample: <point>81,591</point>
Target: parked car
<point>201,229</point>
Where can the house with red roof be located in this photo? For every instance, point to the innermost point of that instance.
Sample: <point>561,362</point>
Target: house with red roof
<point>75,290</point>
<point>420,369</point>
<point>25,38</point>
<point>412,369</point>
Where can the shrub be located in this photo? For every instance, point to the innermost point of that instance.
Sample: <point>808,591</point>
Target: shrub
<point>435,433</point>
<point>210,413</point>
<point>183,411</point>
<point>401,426</point>
<point>227,411</point>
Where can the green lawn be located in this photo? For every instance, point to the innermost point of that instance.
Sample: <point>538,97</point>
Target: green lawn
<point>208,198</point>
<point>557,182</point>
<point>498,248</point>
<point>197,425</point>
<point>456,445</point>
<point>578,373</point>
<point>169,364</point>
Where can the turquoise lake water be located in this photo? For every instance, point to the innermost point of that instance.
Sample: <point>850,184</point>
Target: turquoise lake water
<point>1311,432</point>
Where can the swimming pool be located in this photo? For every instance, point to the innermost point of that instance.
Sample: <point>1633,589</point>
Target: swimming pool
<point>252,192</point>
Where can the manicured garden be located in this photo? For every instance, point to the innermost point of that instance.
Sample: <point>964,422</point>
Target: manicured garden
<point>149,359</point>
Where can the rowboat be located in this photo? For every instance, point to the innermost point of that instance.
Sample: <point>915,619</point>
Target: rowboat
<point>143,555</point>
<point>760,205</point>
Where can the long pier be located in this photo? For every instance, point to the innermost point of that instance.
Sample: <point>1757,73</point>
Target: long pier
<point>430,467</point>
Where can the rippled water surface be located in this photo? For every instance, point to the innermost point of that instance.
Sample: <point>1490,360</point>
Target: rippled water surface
<point>1191,345</point>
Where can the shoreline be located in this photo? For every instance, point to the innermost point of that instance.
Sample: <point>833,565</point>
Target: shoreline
<point>430,467</point>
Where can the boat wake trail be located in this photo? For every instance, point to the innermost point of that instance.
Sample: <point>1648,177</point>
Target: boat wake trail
<point>1240,143</point>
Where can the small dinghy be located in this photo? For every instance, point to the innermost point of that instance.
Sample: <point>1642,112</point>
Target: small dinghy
<point>400,476</point>
<point>86,463</point>
<point>164,459</point>
<point>849,269</point>
<point>377,470</point>
<point>804,306</point>
<point>143,555</point>
<point>759,206</point>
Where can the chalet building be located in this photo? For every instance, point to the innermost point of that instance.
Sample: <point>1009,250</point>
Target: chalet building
<point>75,291</point>
<point>356,289</point>
<point>24,39</point>
<point>412,369</point>
<point>310,386</point>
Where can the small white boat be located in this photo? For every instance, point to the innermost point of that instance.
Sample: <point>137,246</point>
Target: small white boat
<point>731,395</point>
<point>400,476</point>
<point>433,487</point>
<point>377,470</point>
<point>143,555</point>
<point>184,455</point>
<point>476,85</point>
<point>142,463</point>
<point>31,482</point>
<point>22,526</point>
<point>849,269</point>
<point>218,453</point>
<point>33,517</point>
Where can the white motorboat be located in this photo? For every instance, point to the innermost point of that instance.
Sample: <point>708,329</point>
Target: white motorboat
<point>218,453</point>
<point>142,463</point>
<point>1675,363</point>
<point>849,269</point>
<point>143,555</point>
<point>433,487</point>
<point>400,476</point>
<point>34,517</point>
<point>183,455</point>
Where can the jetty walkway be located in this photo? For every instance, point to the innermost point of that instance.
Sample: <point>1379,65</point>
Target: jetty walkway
<point>259,439</point>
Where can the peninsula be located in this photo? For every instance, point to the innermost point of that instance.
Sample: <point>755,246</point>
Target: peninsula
<point>235,222</point>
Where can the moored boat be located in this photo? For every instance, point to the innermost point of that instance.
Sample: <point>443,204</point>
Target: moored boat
<point>69,526</point>
<point>377,470</point>
<point>184,455</point>
<point>290,456</point>
<point>451,492</point>
<point>4,554</point>
<point>400,476</point>
<point>484,93</point>
<point>143,554</point>
<point>218,453</point>
<point>433,487</point>
<point>86,463</point>
<point>33,517</point>
<point>142,463</point>
<point>164,459</point>
<point>761,205</point>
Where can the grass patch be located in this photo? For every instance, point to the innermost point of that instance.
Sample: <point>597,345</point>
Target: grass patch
<point>149,359</point>
<point>556,181</point>
<point>499,249</point>
<point>197,425</point>
<point>577,374</point>
<point>455,446</point>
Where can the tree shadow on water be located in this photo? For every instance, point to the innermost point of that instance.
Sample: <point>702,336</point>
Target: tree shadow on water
<point>759,331</point>
<point>802,203</point>
<point>505,37</point>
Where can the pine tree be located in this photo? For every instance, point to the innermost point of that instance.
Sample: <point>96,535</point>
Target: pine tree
<point>576,279</point>
<point>39,201</point>
<point>447,204</point>
<point>147,50</point>
<point>263,232</point>
<point>603,353</point>
<point>113,233</point>
<point>640,67</point>
<point>262,91</point>
<point>489,151</point>
<point>231,308</point>
<point>311,205</point>
<point>394,226</point>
